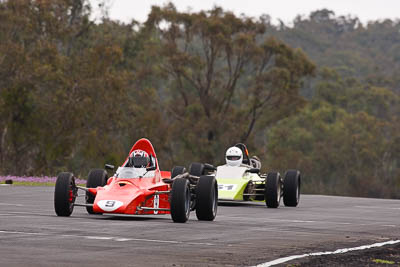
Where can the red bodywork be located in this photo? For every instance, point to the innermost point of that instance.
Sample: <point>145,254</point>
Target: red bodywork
<point>129,195</point>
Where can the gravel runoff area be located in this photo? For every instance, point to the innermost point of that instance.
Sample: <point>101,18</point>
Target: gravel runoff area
<point>377,254</point>
<point>381,256</point>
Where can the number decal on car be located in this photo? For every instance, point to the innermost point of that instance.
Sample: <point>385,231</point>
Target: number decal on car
<point>110,203</point>
<point>156,203</point>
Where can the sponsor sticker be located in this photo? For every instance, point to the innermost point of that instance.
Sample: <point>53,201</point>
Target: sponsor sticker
<point>227,187</point>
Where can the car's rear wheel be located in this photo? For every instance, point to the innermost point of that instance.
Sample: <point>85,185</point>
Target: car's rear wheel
<point>291,188</point>
<point>206,198</point>
<point>97,177</point>
<point>196,169</point>
<point>273,186</point>
<point>180,200</point>
<point>64,194</point>
<point>177,170</point>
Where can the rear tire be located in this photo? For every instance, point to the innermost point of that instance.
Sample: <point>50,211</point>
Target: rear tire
<point>206,198</point>
<point>180,200</point>
<point>291,188</point>
<point>177,170</point>
<point>196,169</point>
<point>273,186</point>
<point>97,177</point>
<point>64,194</point>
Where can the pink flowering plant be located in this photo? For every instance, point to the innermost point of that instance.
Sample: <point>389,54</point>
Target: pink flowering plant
<point>34,180</point>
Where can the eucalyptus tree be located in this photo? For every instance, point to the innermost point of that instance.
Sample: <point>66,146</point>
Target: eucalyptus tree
<point>222,82</point>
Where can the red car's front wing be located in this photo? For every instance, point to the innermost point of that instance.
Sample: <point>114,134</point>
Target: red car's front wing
<point>132,196</point>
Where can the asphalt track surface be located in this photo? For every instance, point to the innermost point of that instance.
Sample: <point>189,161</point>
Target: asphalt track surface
<point>242,234</point>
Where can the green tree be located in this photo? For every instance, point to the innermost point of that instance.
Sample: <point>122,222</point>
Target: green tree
<point>60,82</point>
<point>219,76</point>
<point>344,141</point>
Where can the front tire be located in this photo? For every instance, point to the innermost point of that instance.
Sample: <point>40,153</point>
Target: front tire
<point>206,198</point>
<point>273,186</point>
<point>180,200</point>
<point>64,194</point>
<point>291,188</point>
<point>97,177</point>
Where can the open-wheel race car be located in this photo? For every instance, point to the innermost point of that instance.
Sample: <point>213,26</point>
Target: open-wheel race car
<point>240,180</point>
<point>138,187</point>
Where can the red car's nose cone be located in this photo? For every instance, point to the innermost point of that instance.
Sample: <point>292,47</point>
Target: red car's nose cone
<point>120,196</point>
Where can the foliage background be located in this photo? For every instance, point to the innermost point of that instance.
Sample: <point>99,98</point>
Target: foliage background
<point>321,95</point>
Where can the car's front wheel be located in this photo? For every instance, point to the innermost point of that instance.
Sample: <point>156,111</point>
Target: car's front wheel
<point>64,194</point>
<point>273,186</point>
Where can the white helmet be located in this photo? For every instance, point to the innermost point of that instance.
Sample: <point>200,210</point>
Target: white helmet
<point>234,156</point>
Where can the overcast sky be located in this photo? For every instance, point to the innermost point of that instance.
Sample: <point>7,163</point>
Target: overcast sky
<point>286,10</point>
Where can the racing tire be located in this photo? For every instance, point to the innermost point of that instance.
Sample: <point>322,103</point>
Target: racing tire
<point>177,170</point>
<point>97,177</point>
<point>273,190</point>
<point>64,194</point>
<point>206,198</point>
<point>180,200</point>
<point>196,169</point>
<point>291,188</point>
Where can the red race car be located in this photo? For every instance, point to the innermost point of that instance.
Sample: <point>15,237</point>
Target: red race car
<point>139,188</point>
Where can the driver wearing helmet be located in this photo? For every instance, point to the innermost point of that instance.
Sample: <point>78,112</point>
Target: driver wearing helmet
<point>139,159</point>
<point>234,156</point>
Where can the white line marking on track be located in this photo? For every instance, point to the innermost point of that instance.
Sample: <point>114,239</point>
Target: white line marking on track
<point>99,237</point>
<point>11,204</point>
<point>118,239</point>
<point>376,207</point>
<point>338,251</point>
<point>22,233</point>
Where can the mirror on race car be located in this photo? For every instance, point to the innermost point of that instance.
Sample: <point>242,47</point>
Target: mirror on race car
<point>209,167</point>
<point>152,168</point>
<point>253,170</point>
<point>109,167</point>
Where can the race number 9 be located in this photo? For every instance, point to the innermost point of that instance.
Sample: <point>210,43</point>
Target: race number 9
<point>110,203</point>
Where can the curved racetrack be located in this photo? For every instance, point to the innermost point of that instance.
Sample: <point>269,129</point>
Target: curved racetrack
<point>242,234</point>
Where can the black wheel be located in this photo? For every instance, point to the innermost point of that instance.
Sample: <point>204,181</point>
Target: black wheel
<point>291,188</point>
<point>273,186</point>
<point>177,170</point>
<point>196,169</point>
<point>97,177</point>
<point>64,194</point>
<point>180,200</point>
<point>206,198</point>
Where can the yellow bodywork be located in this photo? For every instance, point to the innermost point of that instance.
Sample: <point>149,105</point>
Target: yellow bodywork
<point>232,181</point>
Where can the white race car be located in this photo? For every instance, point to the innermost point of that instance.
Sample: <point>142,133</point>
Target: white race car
<point>240,180</point>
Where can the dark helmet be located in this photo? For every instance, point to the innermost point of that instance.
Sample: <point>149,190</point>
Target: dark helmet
<point>139,159</point>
